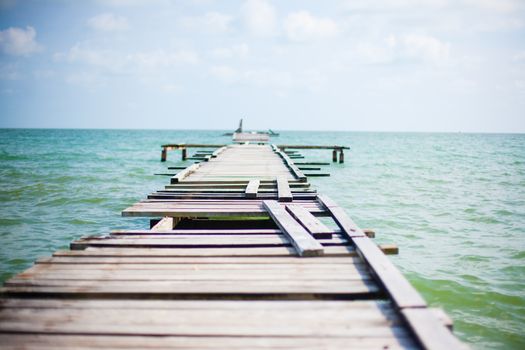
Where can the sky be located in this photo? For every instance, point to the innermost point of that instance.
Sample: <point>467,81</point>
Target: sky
<point>357,65</point>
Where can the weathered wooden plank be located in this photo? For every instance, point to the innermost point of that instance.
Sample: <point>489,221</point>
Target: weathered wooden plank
<point>340,217</point>
<point>193,272</point>
<point>308,168</point>
<point>239,185</point>
<point>178,208</point>
<point>201,260</point>
<point>396,285</point>
<point>283,190</point>
<point>218,151</point>
<point>252,188</point>
<point>242,202</point>
<point>184,173</point>
<point>400,290</point>
<point>227,239</point>
<point>265,231</point>
<point>429,330</point>
<point>166,223</point>
<point>399,340</point>
<point>293,168</point>
<point>193,241</point>
<point>310,222</point>
<point>210,289</point>
<point>443,318</point>
<point>305,244</point>
<point>219,195</point>
<point>341,267</point>
<point>189,324</point>
<point>126,275</point>
<point>389,249</point>
<point>311,147</point>
<point>190,145</point>
<point>205,252</point>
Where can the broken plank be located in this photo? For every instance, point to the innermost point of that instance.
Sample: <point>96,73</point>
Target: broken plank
<point>283,190</point>
<point>305,244</point>
<point>309,222</point>
<point>252,188</point>
<point>184,173</point>
<point>340,217</point>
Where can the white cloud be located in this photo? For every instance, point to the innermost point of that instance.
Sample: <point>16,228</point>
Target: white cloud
<point>235,51</point>
<point>502,6</point>
<point>302,26</point>
<point>256,77</point>
<point>225,73</point>
<point>427,48</point>
<point>127,63</point>
<point>276,80</point>
<point>374,53</point>
<point>171,88</point>
<point>389,5</point>
<point>93,57</point>
<point>108,22</point>
<point>161,59</point>
<point>259,18</point>
<point>519,57</point>
<point>423,48</point>
<point>211,22</point>
<point>464,86</point>
<point>19,41</point>
<point>133,3</point>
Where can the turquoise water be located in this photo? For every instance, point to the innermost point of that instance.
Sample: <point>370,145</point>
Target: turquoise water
<point>454,204</point>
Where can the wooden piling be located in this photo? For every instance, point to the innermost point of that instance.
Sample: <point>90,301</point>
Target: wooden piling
<point>334,155</point>
<point>184,153</point>
<point>341,156</point>
<point>164,154</point>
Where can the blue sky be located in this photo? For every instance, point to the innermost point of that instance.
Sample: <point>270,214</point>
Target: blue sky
<point>386,65</point>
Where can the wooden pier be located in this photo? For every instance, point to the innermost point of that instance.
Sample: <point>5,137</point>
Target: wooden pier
<point>241,253</point>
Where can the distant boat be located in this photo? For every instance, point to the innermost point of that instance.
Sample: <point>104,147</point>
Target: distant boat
<point>239,130</point>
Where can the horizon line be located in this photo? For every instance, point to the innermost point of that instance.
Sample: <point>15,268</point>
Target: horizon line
<point>280,130</point>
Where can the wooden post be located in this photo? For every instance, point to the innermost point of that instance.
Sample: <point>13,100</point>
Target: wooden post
<point>164,154</point>
<point>184,154</point>
<point>334,156</point>
<point>341,156</point>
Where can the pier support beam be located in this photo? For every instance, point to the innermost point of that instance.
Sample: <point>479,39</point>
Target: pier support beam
<point>341,156</point>
<point>164,154</point>
<point>184,153</point>
<point>334,156</point>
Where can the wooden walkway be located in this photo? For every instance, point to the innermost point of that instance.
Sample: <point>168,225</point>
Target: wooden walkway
<point>241,254</point>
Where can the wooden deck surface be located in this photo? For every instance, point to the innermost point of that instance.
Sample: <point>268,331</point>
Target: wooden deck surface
<point>246,255</point>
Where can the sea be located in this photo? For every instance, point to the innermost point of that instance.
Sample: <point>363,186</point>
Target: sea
<point>454,203</point>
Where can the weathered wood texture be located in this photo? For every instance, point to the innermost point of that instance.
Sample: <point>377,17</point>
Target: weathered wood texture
<point>305,244</point>
<point>252,188</point>
<point>223,267</point>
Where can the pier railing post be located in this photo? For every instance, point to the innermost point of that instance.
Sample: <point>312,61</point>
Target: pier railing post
<point>334,155</point>
<point>341,156</point>
<point>164,154</point>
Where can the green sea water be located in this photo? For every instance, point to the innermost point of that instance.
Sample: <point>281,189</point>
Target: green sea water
<point>453,203</point>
